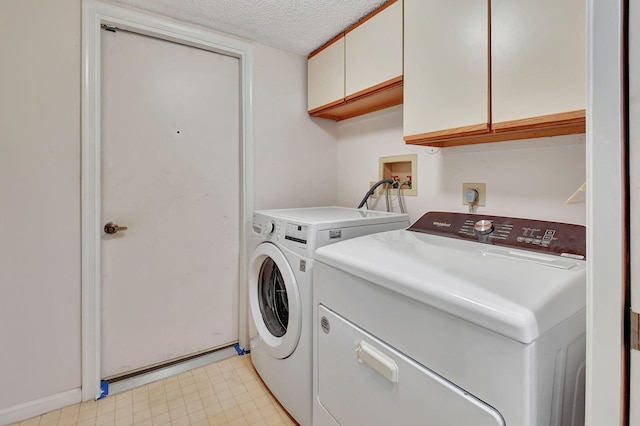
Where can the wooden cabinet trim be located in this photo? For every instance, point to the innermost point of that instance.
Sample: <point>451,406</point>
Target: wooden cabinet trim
<point>545,121</point>
<point>441,135</point>
<point>557,128</point>
<point>351,28</point>
<point>369,16</point>
<point>327,44</point>
<point>394,82</point>
<point>381,96</point>
<point>314,112</point>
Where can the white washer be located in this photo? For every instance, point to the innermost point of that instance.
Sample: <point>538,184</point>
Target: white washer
<point>459,320</point>
<point>280,292</point>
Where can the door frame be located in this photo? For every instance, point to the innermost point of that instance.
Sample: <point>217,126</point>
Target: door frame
<point>94,14</point>
<point>606,245</point>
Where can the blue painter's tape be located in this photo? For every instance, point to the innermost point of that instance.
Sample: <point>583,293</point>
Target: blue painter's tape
<point>240,350</point>
<point>104,389</point>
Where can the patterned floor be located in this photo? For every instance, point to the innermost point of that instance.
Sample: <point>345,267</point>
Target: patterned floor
<point>228,392</point>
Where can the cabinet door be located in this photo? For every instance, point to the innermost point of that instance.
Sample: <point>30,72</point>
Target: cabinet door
<point>374,50</point>
<point>325,73</point>
<point>538,59</point>
<point>446,68</point>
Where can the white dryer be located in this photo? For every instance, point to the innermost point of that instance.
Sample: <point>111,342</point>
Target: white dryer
<point>280,291</point>
<point>459,320</point>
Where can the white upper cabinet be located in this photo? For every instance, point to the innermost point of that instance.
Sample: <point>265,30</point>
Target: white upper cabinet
<point>325,75</point>
<point>446,67</point>
<point>374,50</point>
<point>361,70</point>
<point>480,71</point>
<point>538,53</point>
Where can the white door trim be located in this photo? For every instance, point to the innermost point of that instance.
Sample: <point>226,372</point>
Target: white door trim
<point>605,214</point>
<point>93,15</point>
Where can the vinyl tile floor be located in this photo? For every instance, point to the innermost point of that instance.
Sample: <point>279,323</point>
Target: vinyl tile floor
<point>227,392</point>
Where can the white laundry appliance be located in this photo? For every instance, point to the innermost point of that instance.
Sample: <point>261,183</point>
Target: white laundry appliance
<point>280,292</point>
<point>459,320</point>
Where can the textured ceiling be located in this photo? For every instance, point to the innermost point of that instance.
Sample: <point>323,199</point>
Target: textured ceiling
<point>298,26</point>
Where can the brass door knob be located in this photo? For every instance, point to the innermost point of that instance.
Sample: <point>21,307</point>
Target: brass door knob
<point>113,228</point>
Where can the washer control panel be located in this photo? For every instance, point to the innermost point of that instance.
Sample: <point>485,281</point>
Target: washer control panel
<point>561,239</point>
<point>297,233</point>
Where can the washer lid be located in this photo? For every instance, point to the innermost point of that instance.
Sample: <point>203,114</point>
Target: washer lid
<point>335,217</point>
<point>516,293</point>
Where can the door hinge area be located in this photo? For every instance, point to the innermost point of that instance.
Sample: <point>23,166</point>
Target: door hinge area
<point>635,331</point>
<point>110,28</point>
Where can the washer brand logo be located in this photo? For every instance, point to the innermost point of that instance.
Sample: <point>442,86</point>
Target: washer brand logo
<point>441,224</point>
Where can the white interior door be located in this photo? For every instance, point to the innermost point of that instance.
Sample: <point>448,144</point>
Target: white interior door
<point>634,175</point>
<point>171,175</point>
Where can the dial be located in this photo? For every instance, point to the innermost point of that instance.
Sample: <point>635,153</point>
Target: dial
<point>269,227</point>
<point>483,227</point>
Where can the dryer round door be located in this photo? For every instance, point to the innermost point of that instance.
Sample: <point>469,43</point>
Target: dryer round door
<point>275,300</point>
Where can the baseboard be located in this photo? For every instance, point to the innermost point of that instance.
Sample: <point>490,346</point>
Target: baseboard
<point>40,406</point>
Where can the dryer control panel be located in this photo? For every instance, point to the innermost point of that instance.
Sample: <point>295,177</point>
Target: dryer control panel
<point>561,239</point>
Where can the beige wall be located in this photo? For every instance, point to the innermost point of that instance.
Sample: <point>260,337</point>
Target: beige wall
<point>40,251</point>
<point>295,155</point>
<point>531,178</point>
<point>39,199</point>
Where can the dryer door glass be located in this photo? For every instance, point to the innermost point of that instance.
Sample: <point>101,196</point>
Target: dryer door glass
<point>272,297</point>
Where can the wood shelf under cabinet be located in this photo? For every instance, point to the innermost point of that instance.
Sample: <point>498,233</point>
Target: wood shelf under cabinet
<point>380,96</point>
<point>536,127</point>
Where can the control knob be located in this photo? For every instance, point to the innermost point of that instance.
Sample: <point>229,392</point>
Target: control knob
<point>269,227</point>
<point>483,227</point>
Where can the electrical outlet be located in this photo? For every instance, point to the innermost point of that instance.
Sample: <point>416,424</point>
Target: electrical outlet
<point>482,193</point>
